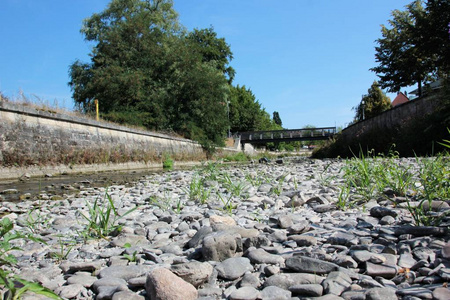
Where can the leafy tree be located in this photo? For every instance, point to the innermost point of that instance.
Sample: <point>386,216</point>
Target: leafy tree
<point>131,51</point>
<point>415,49</point>
<point>372,104</point>
<point>146,70</point>
<point>436,34</point>
<point>402,61</point>
<point>246,113</point>
<point>213,49</point>
<point>276,118</point>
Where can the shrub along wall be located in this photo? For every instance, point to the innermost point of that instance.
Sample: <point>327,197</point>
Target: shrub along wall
<point>32,136</point>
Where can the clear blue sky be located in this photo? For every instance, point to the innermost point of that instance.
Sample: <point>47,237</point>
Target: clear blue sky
<point>307,59</point>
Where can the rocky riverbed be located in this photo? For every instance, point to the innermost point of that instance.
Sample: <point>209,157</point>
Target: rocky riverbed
<point>260,231</point>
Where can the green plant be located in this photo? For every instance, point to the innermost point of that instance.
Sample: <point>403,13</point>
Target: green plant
<point>360,174</point>
<point>163,202</point>
<point>434,177</point>
<point>343,197</point>
<point>65,247</point>
<point>167,162</point>
<point>430,180</point>
<point>210,170</point>
<point>234,188</point>
<point>278,189</point>
<point>324,178</point>
<point>227,204</point>
<point>36,220</point>
<point>197,191</point>
<point>239,157</point>
<point>446,143</point>
<point>15,285</point>
<point>132,257</point>
<point>179,206</point>
<point>103,218</point>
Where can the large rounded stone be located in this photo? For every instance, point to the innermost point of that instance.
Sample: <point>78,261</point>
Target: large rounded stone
<point>196,273</point>
<point>162,284</point>
<point>220,246</point>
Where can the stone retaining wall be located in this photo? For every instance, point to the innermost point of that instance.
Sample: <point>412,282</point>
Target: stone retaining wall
<point>31,137</point>
<point>396,116</point>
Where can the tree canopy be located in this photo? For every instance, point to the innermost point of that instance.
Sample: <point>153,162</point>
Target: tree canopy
<point>372,104</point>
<point>415,48</point>
<point>276,118</point>
<point>147,70</point>
<point>246,113</point>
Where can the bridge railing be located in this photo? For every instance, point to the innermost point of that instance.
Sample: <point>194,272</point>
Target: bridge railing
<point>304,133</point>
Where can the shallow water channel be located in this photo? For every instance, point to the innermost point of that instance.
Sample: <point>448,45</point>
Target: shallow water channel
<point>17,190</point>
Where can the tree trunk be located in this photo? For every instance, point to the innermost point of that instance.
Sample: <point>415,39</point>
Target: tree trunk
<point>419,88</point>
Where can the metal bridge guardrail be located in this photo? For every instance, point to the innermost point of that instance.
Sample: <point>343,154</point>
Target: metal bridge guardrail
<point>289,134</point>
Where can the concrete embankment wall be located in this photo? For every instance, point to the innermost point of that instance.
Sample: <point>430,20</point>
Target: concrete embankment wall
<point>41,139</point>
<point>397,116</point>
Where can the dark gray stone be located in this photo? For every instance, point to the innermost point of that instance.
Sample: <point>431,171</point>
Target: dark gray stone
<point>419,292</point>
<point>421,230</point>
<point>380,212</point>
<point>250,279</point>
<point>109,281</point>
<point>308,290</point>
<point>305,264</point>
<point>260,256</point>
<point>285,222</point>
<point>336,283</point>
<point>257,242</point>
<point>244,293</point>
<point>384,271</point>
<point>300,227</point>
<point>274,292</point>
<point>287,280</point>
<point>303,240</point>
<point>125,272</point>
<point>197,239</point>
<point>342,238</point>
<point>233,268</point>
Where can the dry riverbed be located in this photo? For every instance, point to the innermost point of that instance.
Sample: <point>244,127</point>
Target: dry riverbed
<point>259,231</point>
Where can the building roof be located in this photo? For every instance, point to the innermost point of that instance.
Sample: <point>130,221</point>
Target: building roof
<point>433,86</point>
<point>400,99</point>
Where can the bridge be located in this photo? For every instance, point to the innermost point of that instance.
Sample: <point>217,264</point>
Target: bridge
<point>288,135</point>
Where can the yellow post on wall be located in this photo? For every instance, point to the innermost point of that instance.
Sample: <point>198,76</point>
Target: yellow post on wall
<point>96,109</point>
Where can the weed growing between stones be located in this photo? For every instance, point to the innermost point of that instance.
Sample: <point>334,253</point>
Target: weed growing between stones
<point>197,191</point>
<point>63,249</point>
<point>102,218</point>
<point>278,189</point>
<point>233,187</point>
<point>228,205</point>
<point>423,188</point>
<point>133,256</point>
<point>15,285</point>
